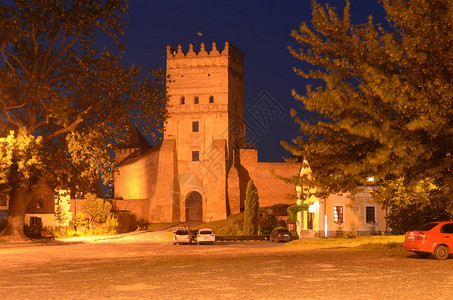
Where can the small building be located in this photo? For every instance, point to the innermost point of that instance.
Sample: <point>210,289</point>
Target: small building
<point>337,213</point>
<point>41,208</point>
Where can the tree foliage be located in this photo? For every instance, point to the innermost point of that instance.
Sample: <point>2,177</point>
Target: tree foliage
<point>65,93</point>
<point>384,102</point>
<point>251,211</point>
<point>62,209</point>
<point>96,210</point>
<point>412,205</point>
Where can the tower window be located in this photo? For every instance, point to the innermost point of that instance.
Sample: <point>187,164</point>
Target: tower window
<point>195,156</point>
<point>183,100</point>
<point>211,99</point>
<point>195,100</point>
<point>195,127</point>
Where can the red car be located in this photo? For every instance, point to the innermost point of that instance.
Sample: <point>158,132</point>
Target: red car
<point>434,238</point>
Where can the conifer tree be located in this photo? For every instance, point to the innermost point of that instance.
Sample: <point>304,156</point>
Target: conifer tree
<point>384,104</point>
<point>250,226</point>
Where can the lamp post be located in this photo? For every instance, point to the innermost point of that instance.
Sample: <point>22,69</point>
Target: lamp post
<point>75,208</point>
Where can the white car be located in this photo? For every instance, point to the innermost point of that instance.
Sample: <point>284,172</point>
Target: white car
<point>182,236</point>
<point>205,235</point>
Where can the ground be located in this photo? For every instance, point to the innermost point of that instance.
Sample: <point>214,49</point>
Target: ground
<point>146,266</point>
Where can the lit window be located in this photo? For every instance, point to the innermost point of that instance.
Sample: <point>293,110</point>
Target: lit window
<point>183,100</point>
<point>195,156</point>
<point>195,126</point>
<point>338,214</point>
<point>195,100</point>
<point>370,214</point>
<point>211,99</point>
<point>40,204</point>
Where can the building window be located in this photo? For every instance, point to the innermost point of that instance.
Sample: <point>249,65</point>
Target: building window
<point>183,100</point>
<point>195,156</point>
<point>211,99</point>
<point>35,221</point>
<point>195,100</point>
<point>338,214</point>
<point>195,126</point>
<point>40,204</point>
<point>370,214</point>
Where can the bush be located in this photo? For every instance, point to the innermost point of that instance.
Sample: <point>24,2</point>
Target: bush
<point>33,231</point>
<point>279,209</point>
<point>97,212</point>
<point>339,233</point>
<point>267,214</point>
<point>230,226</point>
<point>250,225</point>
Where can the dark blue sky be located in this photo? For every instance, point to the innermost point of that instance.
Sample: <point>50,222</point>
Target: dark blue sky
<point>260,29</point>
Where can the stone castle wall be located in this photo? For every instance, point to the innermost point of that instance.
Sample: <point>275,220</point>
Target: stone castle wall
<point>271,190</point>
<point>199,170</point>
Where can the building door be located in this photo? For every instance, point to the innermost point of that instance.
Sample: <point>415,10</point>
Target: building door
<point>310,217</point>
<point>194,210</point>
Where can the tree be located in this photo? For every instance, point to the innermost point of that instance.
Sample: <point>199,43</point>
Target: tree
<point>384,101</point>
<point>97,210</point>
<point>62,208</point>
<point>65,99</point>
<point>410,206</point>
<point>250,226</point>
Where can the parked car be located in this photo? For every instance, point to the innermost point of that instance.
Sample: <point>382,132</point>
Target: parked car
<point>434,238</point>
<point>205,235</point>
<point>182,236</point>
<point>281,235</point>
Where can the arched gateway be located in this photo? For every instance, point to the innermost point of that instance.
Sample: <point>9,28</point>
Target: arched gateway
<point>194,208</point>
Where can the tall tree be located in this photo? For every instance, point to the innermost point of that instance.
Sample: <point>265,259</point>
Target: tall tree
<point>65,99</point>
<point>252,206</point>
<point>384,102</point>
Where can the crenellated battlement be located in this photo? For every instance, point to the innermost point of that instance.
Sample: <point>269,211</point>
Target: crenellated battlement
<point>229,50</point>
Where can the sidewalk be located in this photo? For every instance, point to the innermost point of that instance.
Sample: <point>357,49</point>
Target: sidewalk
<point>139,236</point>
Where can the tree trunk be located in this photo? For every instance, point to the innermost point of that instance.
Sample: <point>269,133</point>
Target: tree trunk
<point>14,229</point>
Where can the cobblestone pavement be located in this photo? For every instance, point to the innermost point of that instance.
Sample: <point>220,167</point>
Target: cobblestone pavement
<point>147,266</point>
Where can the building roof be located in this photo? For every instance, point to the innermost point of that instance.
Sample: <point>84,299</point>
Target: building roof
<point>139,153</point>
<point>135,140</point>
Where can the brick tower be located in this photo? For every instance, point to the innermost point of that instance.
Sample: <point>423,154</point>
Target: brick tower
<point>205,129</point>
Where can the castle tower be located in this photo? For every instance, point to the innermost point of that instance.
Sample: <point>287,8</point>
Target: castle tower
<point>206,127</point>
<point>207,88</point>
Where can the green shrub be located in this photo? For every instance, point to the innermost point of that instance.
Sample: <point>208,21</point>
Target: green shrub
<point>294,209</point>
<point>250,226</point>
<point>279,209</point>
<point>267,214</point>
<point>230,226</point>
<point>339,233</point>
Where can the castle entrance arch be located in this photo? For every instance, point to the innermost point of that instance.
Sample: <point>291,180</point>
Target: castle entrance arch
<point>194,207</point>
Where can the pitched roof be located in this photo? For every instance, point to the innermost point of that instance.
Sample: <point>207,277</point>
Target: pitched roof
<point>135,140</point>
<point>139,153</point>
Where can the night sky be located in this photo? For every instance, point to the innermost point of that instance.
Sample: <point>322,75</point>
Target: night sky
<point>260,29</point>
